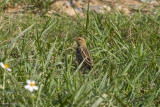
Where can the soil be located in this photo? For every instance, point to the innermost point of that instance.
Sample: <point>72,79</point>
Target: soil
<point>74,7</point>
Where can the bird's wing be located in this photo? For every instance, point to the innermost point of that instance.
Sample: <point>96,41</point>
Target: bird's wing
<point>86,55</point>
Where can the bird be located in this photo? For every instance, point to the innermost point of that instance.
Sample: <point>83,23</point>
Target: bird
<point>82,53</point>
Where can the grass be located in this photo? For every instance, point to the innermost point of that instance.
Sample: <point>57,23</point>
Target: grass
<point>126,53</point>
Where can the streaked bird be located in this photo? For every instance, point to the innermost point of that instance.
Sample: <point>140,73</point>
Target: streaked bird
<point>82,53</point>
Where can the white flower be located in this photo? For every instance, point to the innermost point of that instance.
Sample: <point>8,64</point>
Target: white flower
<point>5,66</point>
<point>30,85</point>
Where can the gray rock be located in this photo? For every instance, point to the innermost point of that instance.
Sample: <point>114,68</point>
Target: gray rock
<point>79,10</point>
<point>97,9</point>
<point>147,1</point>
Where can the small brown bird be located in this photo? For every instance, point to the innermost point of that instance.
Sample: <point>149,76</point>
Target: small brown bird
<point>82,53</point>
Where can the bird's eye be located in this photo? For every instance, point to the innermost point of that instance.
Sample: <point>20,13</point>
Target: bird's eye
<point>79,39</point>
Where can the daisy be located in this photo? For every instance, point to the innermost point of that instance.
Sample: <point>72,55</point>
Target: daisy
<point>30,85</point>
<point>5,66</point>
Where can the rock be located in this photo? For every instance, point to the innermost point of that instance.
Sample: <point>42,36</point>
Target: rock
<point>126,11</point>
<point>143,1</point>
<point>101,6</point>
<point>70,3</point>
<point>70,11</point>
<point>67,3</point>
<point>155,3</point>
<point>147,1</point>
<point>97,9</point>
<point>118,7</point>
<point>134,6</point>
<point>107,8</point>
<point>79,10</point>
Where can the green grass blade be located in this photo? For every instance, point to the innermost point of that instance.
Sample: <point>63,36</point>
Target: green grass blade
<point>139,74</point>
<point>127,68</point>
<point>39,95</point>
<point>15,39</point>
<point>99,100</point>
<point>96,26</point>
<point>103,82</point>
<point>50,54</point>
<point>47,29</point>
<point>87,19</point>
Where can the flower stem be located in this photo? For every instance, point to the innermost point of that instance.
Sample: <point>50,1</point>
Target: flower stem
<point>4,78</point>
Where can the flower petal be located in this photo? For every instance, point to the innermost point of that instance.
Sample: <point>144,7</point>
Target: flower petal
<point>35,87</point>
<point>8,69</point>
<point>28,82</point>
<point>2,65</point>
<point>33,82</point>
<point>26,86</point>
<point>30,89</point>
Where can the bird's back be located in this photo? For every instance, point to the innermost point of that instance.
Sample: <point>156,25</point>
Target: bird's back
<point>83,53</point>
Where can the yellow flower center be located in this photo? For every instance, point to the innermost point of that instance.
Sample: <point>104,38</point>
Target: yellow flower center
<point>32,84</point>
<point>6,66</point>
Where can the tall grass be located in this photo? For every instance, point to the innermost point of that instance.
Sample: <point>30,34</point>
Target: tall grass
<point>125,52</point>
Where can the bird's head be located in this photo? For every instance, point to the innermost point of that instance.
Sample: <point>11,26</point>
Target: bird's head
<point>80,41</point>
